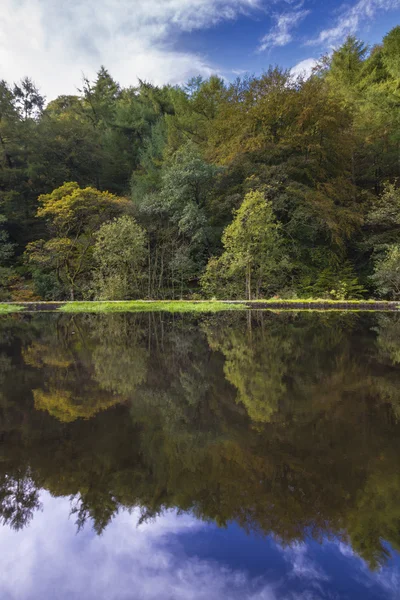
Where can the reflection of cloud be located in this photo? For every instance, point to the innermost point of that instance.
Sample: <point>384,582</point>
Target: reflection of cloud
<point>302,565</point>
<point>126,562</point>
<point>346,550</point>
<point>387,578</point>
<point>48,560</point>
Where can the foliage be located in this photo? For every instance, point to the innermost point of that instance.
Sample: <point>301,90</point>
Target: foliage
<point>338,282</point>
<point>253,250</point>
<point>73,216</point>
<point>119,252</point>
<point>324,150</point>
<point>387,273</point>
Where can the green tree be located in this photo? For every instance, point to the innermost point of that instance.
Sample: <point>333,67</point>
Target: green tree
<point>345,68</point>
<point>253,249</point>
<point>119,252</point>
<point>28,99</point>
<point>383,218</point>
<point>6,253</point>
<point>387,272</point>
<point>391,52</point>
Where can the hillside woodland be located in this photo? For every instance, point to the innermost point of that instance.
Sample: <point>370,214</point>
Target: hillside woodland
<point>264,186</point>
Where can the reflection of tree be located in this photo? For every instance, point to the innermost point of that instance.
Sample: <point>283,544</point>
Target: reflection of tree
<point>5,368</point>
<point>120,361</point>
<point>19,499</point>
<point>389,337</point>
<point>86,371</point>
<point>256,364</point>
<point>387,378</point>
<point>376,514</point>
<point>66,407</point>
<point>311,448</point>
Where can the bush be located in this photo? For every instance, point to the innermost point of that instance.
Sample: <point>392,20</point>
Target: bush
<point>387,272</point>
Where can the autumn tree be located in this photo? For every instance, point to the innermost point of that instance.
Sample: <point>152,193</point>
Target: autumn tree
<point>72,215</point>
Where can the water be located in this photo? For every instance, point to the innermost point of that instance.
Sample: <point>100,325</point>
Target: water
<point>231,456</point>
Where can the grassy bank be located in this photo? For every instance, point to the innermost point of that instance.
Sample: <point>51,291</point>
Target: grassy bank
<point>150,306</point>
<point>198,306</point>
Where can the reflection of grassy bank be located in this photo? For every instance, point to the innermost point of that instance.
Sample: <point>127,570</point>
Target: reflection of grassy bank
<point>6,309</point>
<point>198,306</point>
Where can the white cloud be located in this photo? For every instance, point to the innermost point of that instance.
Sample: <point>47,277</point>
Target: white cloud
<point>387,578</point>
<point>304,68</point>
<point>48,560</point>
<point>281,33</point>
<point>302,565</point>
<point>54,42</point>
<point>350,20</point>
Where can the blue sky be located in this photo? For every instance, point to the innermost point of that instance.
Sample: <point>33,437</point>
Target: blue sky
<point>176,557</point>
<point>168,41</point>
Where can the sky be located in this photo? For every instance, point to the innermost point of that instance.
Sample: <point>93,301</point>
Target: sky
<point>176,557</point>
<point>168,41</point>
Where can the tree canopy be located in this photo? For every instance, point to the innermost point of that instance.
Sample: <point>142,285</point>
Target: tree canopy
<point>183,159</point>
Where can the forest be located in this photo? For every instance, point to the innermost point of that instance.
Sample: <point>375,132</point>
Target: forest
<point>266,186</point>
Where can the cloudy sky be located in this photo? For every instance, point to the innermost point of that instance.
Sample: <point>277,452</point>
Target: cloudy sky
<point>175,557</point>
<point>168,41</point>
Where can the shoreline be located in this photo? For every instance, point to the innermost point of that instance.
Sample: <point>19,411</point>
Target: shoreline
<point>196,306</point>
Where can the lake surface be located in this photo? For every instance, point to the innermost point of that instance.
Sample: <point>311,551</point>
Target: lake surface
<point>234,456</point>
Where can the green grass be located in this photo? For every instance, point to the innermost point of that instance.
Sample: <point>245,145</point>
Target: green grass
<point>199,306</point>
<point>149,306</point>
<point>321,301</point>
<point>6,309</point>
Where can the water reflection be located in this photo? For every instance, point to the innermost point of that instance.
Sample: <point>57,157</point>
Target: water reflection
<point>172,558</point>
<point>286,425</point>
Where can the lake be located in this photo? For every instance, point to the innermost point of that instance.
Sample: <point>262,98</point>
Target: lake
<point>244,455</point>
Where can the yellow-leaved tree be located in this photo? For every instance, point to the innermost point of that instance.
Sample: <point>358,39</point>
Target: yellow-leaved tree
<point>73,215</point>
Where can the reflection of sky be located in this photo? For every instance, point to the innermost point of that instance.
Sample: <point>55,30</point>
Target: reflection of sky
<point>175,557</point>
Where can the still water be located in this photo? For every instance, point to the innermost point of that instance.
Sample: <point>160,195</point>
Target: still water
<point>235,456</point>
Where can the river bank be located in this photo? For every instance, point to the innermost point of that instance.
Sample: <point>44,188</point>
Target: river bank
<point>198,306</point>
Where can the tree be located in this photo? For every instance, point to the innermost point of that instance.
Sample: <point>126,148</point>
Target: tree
<point>28,99</point>
<point>391,52</point>
<point>253,249</point>
<point>177,217</point>
<point>73,215</point>
<point>6,253</point>
<point>119,251</point>
<point>345,68</point>
<point>187,184</point>
<point>387,272</point>
<point>8,113</point>
<point>383,218</point>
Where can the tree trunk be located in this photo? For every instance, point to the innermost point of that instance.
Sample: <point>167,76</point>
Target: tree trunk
<point>248,281</point>
<point>149,272</point>
<point>6,155</point>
